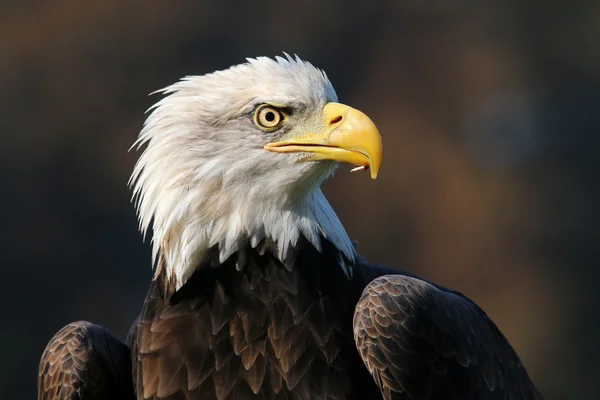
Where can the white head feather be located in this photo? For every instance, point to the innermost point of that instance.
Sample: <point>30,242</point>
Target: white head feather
<point>204,179</point>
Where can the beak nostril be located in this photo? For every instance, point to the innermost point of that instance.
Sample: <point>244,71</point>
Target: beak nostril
<point>336,119</point>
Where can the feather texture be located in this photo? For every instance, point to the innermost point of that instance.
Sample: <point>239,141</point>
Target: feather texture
<point>421,341</point>
<point>266,331</point>
<point>84,361</point>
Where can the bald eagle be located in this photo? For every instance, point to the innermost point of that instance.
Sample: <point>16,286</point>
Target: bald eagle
<point>258,291</point>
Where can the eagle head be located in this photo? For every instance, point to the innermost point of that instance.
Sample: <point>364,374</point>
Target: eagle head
<point>237,156</point>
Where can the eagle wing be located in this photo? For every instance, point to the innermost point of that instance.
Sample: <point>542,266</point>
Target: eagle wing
<point>422,341</point>
<point>85,361</point>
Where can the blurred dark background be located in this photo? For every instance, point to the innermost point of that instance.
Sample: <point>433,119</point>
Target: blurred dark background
<point>489,114</point>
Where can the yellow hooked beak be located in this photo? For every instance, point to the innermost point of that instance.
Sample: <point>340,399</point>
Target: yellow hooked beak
<point>349,137</point>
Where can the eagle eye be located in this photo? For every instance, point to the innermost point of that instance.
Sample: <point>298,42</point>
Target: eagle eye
<point>268,117</point>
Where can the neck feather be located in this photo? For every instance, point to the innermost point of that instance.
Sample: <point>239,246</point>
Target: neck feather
<point>185,231</point>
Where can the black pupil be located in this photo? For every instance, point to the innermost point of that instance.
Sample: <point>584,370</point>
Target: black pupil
<point>270,116</point>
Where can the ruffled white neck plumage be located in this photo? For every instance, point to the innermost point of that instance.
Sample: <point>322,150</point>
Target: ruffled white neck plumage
<point>183,237</point>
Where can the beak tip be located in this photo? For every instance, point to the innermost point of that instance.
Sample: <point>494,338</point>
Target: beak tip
<point>374,173</point>
<point>375,164</point>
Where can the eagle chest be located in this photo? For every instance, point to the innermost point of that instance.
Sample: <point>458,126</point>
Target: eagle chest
<point>265,332</point>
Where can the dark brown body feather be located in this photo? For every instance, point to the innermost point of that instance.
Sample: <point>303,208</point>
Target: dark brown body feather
<point>422,341</point>
<point>267,332</point>
<point>84,361</point>
<point>255,328</point>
